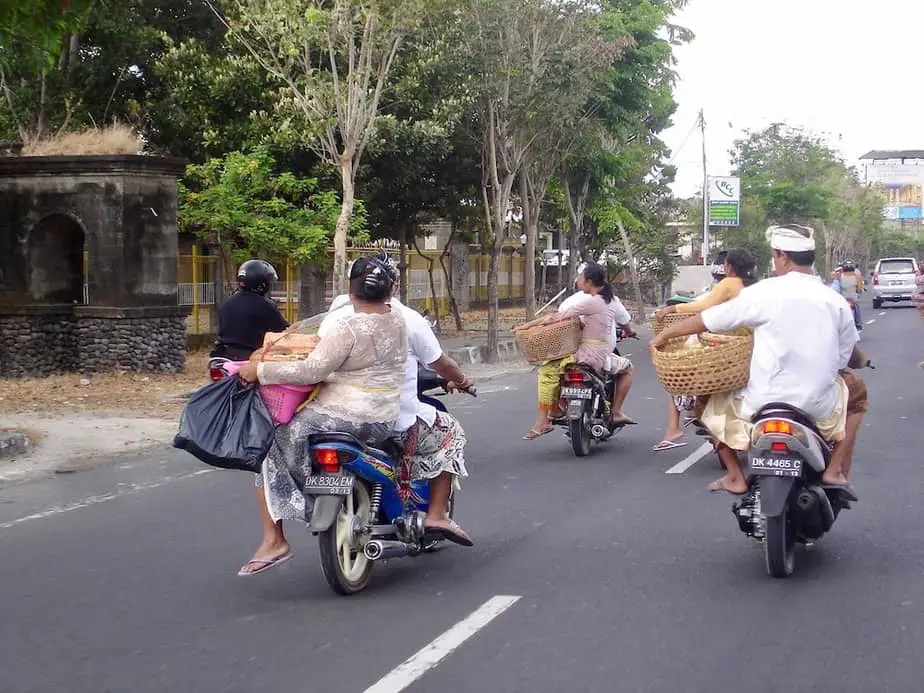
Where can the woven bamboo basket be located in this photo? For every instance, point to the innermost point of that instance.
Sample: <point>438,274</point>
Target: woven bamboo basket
<point>548,342</point>
<point>659,324</point>
<point>723,365</point>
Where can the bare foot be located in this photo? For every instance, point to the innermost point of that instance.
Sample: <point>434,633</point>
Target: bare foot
<point>732,484</point>
<point>834,479</point>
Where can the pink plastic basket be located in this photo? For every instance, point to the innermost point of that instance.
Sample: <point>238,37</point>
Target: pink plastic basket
<point>281,400</point>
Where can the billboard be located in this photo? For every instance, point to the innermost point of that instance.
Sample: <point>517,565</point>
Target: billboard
<point>901,182</point>
<point>724,201</point>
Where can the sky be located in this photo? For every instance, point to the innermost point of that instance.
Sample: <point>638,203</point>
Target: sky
<point>847,71</point>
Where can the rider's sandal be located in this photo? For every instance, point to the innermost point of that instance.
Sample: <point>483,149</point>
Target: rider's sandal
<point>718,487</point>
<point>453,533</point>
<point>263,564</point>
<point>532,434</point>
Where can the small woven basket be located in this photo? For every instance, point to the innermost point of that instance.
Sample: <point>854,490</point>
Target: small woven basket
<point>549,342</point>
<point>659,324</point>
<point>722,365</point>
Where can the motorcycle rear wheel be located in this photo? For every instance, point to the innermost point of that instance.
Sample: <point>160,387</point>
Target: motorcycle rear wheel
<point>580,435</point>
<point>346,568</point>
<point>779,546</point>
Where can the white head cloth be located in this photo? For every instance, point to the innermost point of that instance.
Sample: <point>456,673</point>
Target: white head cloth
<point>791,238</point>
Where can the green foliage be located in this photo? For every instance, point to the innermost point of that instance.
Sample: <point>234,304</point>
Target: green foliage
<point>242,203</point>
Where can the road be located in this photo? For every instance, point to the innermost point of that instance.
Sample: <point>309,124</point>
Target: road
<point>620,576</point>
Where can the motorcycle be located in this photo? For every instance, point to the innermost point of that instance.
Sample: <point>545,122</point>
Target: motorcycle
<point>364,510</point>
<point>587,395</point>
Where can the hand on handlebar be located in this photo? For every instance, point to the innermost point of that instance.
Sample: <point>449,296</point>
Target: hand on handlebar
<point>467,386</point>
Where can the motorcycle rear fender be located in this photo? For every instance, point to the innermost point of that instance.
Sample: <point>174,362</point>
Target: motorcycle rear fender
<point>774,494</point>
<point>576,409</point>
<point>324,512</point>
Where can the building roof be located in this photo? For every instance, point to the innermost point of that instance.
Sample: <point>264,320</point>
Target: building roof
<point>877,154</point>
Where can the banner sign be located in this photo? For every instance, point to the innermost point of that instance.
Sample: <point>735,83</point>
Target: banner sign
<point>724,201</point>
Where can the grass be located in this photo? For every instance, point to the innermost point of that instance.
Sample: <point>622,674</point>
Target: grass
<point>112,139</point>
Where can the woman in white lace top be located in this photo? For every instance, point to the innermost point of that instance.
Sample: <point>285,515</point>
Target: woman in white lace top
<point>361,363</point>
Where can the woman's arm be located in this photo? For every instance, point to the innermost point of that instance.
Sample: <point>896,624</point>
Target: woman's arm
<point>720,293</point>
<point>327,357</point>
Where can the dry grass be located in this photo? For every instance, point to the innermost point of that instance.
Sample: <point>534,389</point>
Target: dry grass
<point>125,394</point>
<point>113,139</point>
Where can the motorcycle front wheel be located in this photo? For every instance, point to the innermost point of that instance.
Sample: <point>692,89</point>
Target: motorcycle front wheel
<point>345,566</point>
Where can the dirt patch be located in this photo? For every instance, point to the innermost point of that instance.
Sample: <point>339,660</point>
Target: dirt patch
<point>116,394</point>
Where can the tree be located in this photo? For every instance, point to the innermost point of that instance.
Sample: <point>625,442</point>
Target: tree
<point>522,53</point>
<point>790,176</point>
<point>245,206</point>
<point>333,60</point>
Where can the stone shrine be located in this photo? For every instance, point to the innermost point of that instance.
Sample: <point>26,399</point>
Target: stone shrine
<point>88,265</point>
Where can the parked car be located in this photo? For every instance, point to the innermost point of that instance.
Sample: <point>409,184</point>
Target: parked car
<point>894,279</point>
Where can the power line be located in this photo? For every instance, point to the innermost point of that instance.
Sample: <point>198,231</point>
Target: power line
<point>684,143</point>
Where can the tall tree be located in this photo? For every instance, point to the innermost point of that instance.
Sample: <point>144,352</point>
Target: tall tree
<point>333,60</point>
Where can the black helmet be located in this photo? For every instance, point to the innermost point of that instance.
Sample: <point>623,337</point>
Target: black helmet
<point>371,279</point>
<point>386,260</point>
<point>257,276</point>
<point>849,266</point>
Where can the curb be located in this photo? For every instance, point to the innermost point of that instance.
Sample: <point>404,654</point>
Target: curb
<point>13,443</point>
<point>507,350</point>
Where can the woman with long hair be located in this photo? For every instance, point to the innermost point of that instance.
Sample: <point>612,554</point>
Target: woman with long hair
<point>740,269</point>
<point>597,307</point>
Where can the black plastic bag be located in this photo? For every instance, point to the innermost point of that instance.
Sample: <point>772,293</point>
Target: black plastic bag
<point>226,424</point>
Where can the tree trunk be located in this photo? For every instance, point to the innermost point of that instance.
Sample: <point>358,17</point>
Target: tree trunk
<point>636,286</point>
<point>493,312</point>
<point>447,276</point>
<point>343,226</point>
<point>531,228</point>
<point>402,265</point>
<point>433,297</point>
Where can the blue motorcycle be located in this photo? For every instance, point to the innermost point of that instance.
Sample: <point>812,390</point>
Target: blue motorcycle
<point>365,508</point>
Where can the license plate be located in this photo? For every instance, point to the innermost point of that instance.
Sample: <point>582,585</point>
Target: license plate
<point>899,283</point>
<point>577,393</point>
<point>329,484</point>
<point>776,466</point>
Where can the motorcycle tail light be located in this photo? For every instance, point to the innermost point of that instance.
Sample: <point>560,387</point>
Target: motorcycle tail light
<point>779,447</point>
<point>216,374</point>
<point>328,459</point>
<point>774,426</point>
<point>331,459</point>
<point>574,377</point>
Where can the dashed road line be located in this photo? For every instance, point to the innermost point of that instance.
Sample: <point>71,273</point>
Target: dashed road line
<point>871,321</point>
<point>425,659</point>
<point>690,459</point>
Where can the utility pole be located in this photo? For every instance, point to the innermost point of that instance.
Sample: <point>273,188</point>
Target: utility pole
<point>702,132</point>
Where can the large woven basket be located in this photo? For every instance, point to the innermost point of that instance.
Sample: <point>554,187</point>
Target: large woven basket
<point>548,342</point>
<point>659,324</point>
<point>723,365</point>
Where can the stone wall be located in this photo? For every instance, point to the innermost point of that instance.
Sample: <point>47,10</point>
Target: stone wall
<point>37,344</point>
<point>90,340</point>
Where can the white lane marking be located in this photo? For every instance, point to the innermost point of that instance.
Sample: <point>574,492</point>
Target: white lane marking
<point>425,659</point>
<point>870,322</point>
<point>690,459</point>
<point>129,490</point>
<point>882,313</point>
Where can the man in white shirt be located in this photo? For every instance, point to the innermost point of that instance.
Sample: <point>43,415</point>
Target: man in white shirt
<point>433,441</point>
<point>803,335</point>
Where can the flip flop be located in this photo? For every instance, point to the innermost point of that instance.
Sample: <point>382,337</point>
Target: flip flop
<point>265,564</point>
<point>846,490</point>
<point>718,487</point>
<point>667,445</point>
<point>690,421</point>
<point>624,421</point>
<point>532,434</point>
<point>453,533</point>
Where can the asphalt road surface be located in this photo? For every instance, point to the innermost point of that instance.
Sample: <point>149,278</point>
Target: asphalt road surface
<point>601,574</point>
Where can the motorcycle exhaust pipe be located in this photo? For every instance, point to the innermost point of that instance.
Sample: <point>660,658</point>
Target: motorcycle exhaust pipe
<point>598,431</point>
<point>377,549</point>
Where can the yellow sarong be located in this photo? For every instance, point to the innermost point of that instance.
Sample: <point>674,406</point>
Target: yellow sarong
<point>549,375</point>
<point>722,417</point>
